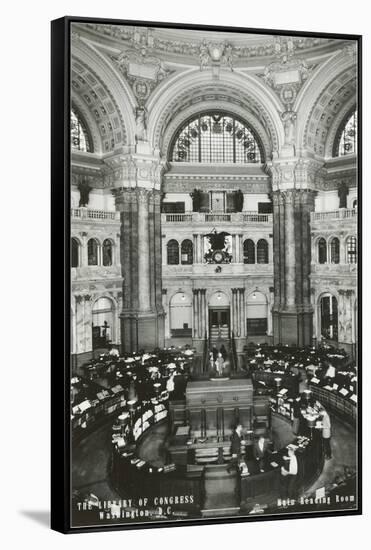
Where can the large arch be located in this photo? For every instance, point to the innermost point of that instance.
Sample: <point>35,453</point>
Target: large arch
<point>111,89</point>
<point>194,91</point>
<point>319,95</point>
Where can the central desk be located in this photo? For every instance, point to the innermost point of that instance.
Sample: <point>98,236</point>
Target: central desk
<point>214,407</point>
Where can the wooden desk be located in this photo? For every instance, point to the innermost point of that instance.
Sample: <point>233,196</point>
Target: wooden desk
<point>215,406</point>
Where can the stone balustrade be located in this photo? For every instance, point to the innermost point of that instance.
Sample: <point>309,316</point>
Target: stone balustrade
<point>83,213</point>
<point>217,217</point>
<point>340,214</point>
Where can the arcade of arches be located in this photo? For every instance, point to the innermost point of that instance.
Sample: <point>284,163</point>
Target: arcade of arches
<point>212,199</point>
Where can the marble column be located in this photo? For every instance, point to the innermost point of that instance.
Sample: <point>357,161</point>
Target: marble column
<point>117,260</point>
<point>240,248</point>
<point>199,258</point>
<point>195,312</point>
<point>195,249</point>
<point>238,313</point>
<point>144,294</point>
<point>234,249</point>
<point>289,250</point>
<point>234,311</point>
<point>242,313</point>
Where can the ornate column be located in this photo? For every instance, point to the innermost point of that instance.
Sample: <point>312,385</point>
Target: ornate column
<point>242,313</point>
<point>143,251</point>
<point>234,311</point>
<point>117,250</point>
<point>199,257</point>
<point>290,264</point>
<point>203,314</point>
<point>238,298</point>
<point>234,249</point>
<point>293,182</point>
<point>136,180</point>
<point>195,248</point>
<point>195,312</point>
<point>240,248</point>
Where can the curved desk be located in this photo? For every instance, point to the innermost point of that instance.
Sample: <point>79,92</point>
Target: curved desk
<point>337,404</point>
<point>266,485</point>
<point>175,489</point>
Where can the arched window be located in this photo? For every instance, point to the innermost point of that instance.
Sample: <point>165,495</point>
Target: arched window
<point>173,252</point>
<point>335,251</point>
<point>351,250</point>
<point>79,134</point>
<point>347,140</point>
<point>354,205</point>
<point>92,252</point>
<point>262,252</point>
<point>107,252</point>
<point>75,252</point>
<point>322,251</point>
<point>187,252</point>
<point>249,252</point>
<point>216,137</point>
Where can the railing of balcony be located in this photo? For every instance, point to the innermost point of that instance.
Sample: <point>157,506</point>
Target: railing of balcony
<point>92,214</point>
<point>210,217</point>
<point>341,214</point>
<point>218,217</point>
<point>181,218</point>
<point>255,217</point>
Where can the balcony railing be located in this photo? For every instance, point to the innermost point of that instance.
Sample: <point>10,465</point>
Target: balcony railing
<point>255,217</point>
<point>218,217</point>
<point>341,214</point>
<point>221,217</point>
<point>91,214</point>
<point>178,218</point>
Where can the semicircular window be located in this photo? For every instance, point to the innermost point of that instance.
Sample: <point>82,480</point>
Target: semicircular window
<point>79,134</point>
<point>216,137</point>
<point>347,139</point>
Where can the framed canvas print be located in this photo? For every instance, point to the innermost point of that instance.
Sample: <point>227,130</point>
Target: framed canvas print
<point>206,281</point>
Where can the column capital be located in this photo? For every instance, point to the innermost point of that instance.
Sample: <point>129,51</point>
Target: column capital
<point>295,173</point>
<point>143,195</point>
<point>132,170</point>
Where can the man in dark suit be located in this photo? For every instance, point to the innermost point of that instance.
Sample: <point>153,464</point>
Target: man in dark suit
<point>236,441</point>
<point>260,450</point>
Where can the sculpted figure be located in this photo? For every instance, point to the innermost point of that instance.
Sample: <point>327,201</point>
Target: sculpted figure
<point>141,122</point>
<point>204,55</point>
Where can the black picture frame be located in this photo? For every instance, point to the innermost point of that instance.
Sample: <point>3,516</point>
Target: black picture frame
<point>61,492</point>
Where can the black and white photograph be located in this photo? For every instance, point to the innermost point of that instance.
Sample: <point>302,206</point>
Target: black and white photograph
<point>213,250</point>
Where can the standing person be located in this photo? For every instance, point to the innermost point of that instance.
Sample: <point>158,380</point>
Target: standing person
<point>220,364</point>
<point>215,353</point>
<point>211,361</point>
<point>326,434</point>
<point>260,450</point>
<point>236,441</point>
<point>223,351</point>
<point>289,474</point>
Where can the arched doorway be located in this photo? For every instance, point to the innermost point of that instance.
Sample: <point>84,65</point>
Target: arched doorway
<point>328,314</point>
<point>219,316</point>
<point>181,316</point>
<point>256,314</point>
<point>102,323</point>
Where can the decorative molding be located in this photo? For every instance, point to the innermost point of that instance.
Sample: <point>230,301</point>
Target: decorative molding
<point>146,37</point>
<point>215,55</point>
<point>142,70</point>
<point>287,73</point>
